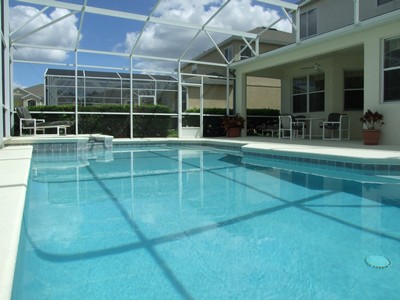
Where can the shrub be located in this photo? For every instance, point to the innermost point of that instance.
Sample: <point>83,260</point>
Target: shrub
<point>115,125</point>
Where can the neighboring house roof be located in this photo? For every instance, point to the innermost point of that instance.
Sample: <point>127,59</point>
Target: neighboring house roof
<point>21,93</point>
<point>271,36</point>
<point>37,90</point>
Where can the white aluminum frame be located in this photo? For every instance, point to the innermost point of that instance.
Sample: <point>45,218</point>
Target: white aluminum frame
<point>83,9</point>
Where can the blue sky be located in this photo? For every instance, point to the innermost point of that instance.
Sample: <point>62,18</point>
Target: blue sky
<point>119,35</point>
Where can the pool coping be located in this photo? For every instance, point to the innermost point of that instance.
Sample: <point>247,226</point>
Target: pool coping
<point>15,161</point>
<point>327,153</point>
<point>15,164</point>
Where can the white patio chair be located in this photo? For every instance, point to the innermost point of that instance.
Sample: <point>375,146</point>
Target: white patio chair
<point>289,128</point>
<point>28,123</point>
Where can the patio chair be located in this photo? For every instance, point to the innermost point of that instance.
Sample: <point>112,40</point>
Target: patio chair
<point>27,122</point>
<point>290,128</point>
<point>339,123</point>
<point>271,129</point>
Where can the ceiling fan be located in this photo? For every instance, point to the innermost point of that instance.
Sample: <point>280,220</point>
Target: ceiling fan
<point>315,66</point>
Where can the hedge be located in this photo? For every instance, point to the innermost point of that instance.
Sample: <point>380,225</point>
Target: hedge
<point>115,125</point>
<point>145,126</point>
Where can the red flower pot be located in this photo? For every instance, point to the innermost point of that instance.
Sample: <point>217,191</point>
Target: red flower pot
<point>233,132</point>
<point>371,136</point>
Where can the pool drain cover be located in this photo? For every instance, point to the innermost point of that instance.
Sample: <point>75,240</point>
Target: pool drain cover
<point>377,261</point>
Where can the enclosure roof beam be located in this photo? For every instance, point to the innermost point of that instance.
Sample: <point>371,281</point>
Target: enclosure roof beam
<point>137,17</point>
<point>45,26</point>
<point>144,25</point>
<point>29,20</point>
<point>205,24</point>
<point>80,25</point>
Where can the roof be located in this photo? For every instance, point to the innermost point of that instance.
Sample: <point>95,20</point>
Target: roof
<point>273,36</point>
<point>268,36</point>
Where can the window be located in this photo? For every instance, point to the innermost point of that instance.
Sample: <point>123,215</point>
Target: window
<point>381,2</point>
<point>308,23</point>
<point>354,90</point>
<point>228,52</point>
<point>246,52</point>
<point>309,93</point>
<point>391,70</point>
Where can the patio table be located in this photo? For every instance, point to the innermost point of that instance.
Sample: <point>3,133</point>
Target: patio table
<point>310,123</point>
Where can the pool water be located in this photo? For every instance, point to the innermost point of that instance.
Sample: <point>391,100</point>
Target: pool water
<point>199,223</point>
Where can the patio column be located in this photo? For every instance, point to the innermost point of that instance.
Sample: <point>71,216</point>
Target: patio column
<point>240,100</point>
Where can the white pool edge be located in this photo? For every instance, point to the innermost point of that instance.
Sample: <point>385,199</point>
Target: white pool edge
<point>14,173</point>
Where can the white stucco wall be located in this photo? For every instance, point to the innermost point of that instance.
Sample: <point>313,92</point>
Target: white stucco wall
<point>373,92</point>
<point>334,52</point>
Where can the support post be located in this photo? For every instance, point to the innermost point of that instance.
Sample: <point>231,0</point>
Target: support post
<point>179,100</point>
<point>76,94</point>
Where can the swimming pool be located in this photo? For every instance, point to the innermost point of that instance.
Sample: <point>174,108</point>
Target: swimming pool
<point>168,222</point>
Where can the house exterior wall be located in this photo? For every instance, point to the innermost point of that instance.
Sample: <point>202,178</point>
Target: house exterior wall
<point>370,9</point>
<point>214,97</point>
<point>332,15</point>
<point>373,83</point>
<point>263,92</point>
<point>333,52</point>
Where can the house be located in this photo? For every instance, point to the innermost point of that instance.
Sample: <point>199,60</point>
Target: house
<point>347,64</point>
<point>261,92</point>
<point>31,96</point>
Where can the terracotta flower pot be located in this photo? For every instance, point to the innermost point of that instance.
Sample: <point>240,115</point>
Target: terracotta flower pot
<point>371,136</point>
<point>233,132</point>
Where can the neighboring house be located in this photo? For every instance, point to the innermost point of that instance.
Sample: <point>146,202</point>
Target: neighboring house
<point>261,92</point>
<point>31,96</point>
<point>109,88</point>
<point>347,63</point>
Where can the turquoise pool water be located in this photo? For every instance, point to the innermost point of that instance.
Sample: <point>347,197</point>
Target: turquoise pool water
<point>200,223</point>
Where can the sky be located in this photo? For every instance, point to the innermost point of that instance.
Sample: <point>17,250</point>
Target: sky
<point>111,34</point>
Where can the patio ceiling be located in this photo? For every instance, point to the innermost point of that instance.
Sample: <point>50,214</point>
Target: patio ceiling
<point>209,28</point>
<point>304,62</point>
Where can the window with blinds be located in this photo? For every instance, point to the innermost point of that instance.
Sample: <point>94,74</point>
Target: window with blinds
<point>391,70</point>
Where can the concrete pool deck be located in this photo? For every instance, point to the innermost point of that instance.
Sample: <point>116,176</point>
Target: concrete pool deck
<point>15,160</point>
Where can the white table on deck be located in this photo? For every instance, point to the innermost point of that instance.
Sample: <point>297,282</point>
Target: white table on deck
<point>310,125</point>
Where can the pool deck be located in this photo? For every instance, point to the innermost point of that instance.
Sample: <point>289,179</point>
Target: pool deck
<point>15,161</point>
<point>14,172</point>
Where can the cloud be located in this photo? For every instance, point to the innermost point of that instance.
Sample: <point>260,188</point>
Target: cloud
<point>60,34</point>
<point>170,41</point>
<point>166,38</point>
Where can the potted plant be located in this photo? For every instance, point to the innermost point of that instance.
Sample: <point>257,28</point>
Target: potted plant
<point>372,122</point>
<point>233,125</point>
